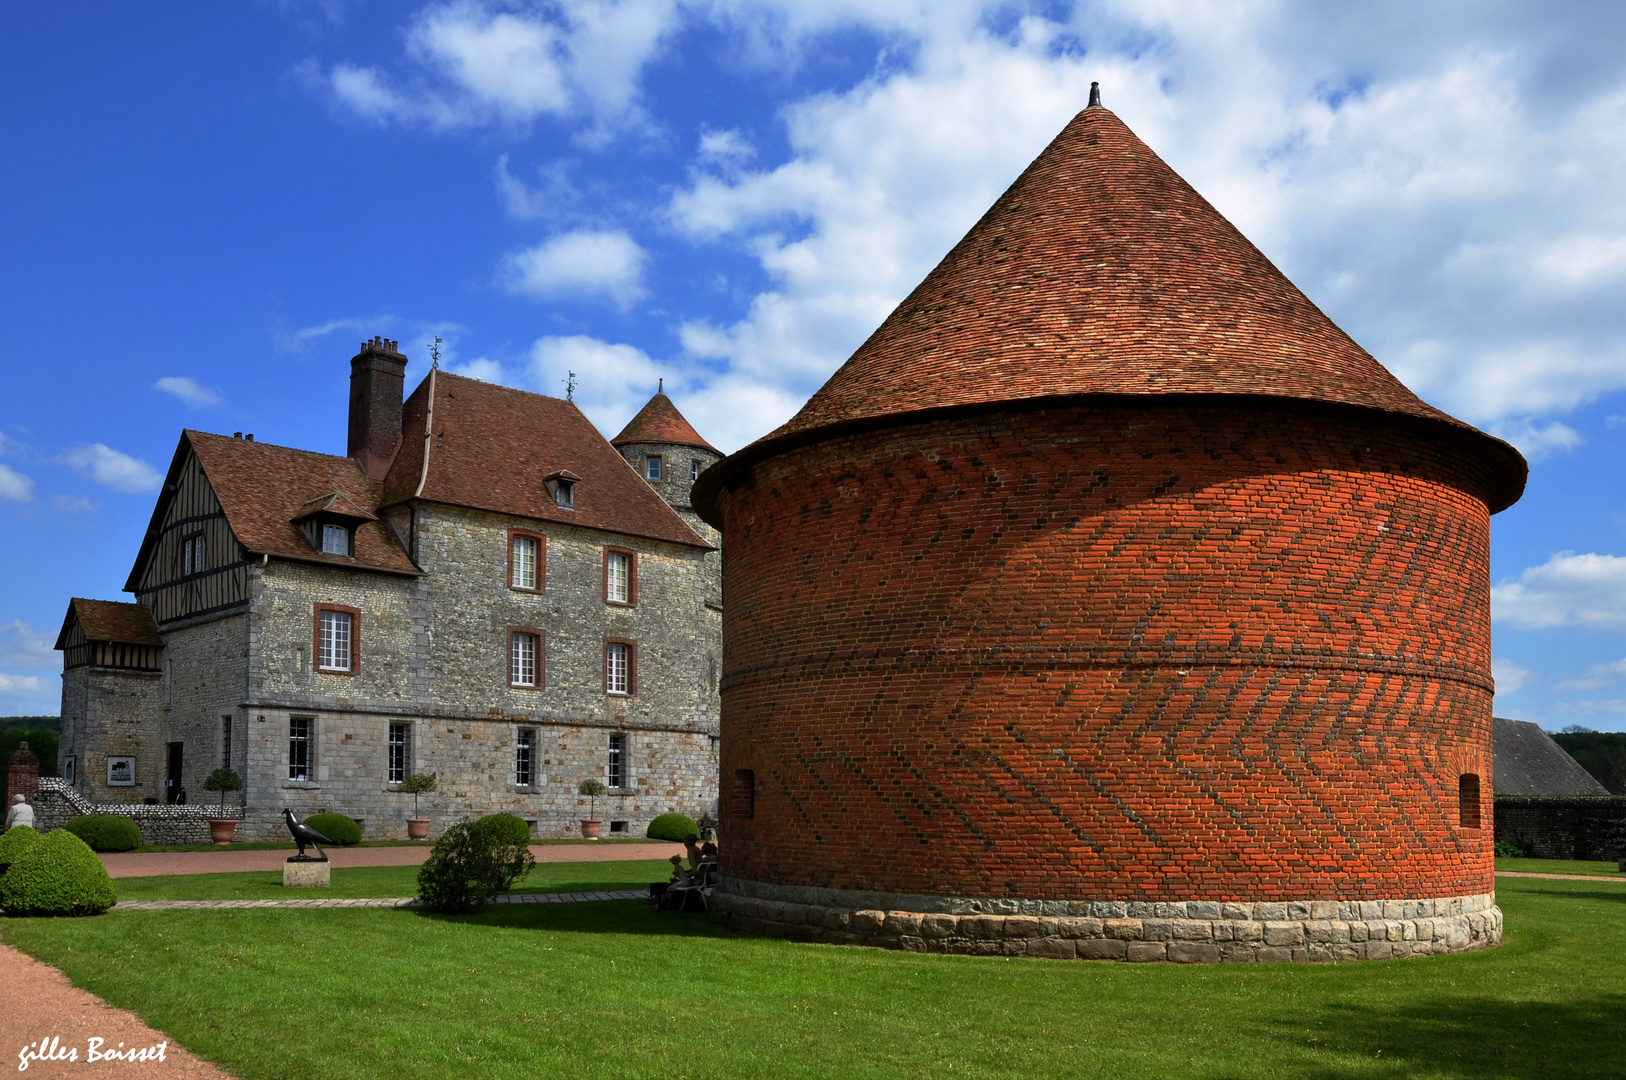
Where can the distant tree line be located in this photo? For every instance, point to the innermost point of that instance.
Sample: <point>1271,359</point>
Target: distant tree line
<point>1601,753</point>
<point>39,732</point>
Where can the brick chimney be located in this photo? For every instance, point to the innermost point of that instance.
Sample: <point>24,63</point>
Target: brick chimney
<point>22,774</point>
<point>377,378</point>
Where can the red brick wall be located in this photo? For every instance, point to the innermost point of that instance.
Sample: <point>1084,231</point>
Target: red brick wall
<point>1129,653</point>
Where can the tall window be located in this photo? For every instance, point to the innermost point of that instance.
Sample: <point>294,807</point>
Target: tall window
<point>743,804</point>
<point>300,735</point>
<point>652,465</point>
<point>618,760</point>
<point>194,555</point>
<point>522,659</point>
<point>1468,800</point>
<point>400,752</point>
<point>694,470</point>
<point>335,540</point>
<point>524,757</point>
<point>523,561</point>
<point>225,742</point>
<point>620,577</point>
<point>617,667</point>
<point>333,649</point>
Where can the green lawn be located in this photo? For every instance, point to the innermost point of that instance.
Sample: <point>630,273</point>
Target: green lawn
<point>362,881</point>
<point>1559,866</point>
<point>288,845</point>
<point>616,990</point>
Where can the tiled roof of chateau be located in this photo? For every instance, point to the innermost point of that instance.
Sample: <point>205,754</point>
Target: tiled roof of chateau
<point>660,422</point>
<point>1101,272</point>
<point>112,620</point>
<point>264,488</point>
<point>493,446</point>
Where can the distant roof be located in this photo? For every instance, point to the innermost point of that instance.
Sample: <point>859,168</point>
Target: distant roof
<point>1529,762</point>
<point>660,422</point>
<point>264,489</point>
<point>110,620</point>
<point>1101,273</point>
<point>492,448</point>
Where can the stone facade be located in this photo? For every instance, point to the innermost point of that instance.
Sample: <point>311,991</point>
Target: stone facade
<point>58,804</point>
<point>434,605</point>
<point>1190,931</point>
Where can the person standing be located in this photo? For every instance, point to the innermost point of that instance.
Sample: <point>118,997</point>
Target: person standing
<point>20,813</point>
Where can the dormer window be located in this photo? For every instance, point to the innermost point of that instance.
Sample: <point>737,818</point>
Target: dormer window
<point>335,540</point>
<point>330,524</point>
<point>562,486</point>
<point>652,466</point>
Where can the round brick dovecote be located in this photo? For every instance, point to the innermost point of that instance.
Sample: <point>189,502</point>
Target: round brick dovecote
<point>1108,673</point>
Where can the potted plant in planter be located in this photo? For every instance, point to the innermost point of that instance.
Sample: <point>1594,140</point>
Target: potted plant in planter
<point>592,822</point>
<point>223,828</point>
<point>417,784</point>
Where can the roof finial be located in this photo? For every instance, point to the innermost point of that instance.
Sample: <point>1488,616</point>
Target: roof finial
<point>1095,95</point>
<point>660,385</point>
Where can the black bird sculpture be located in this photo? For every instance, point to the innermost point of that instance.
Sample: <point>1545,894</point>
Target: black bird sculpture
<point>304,834</point>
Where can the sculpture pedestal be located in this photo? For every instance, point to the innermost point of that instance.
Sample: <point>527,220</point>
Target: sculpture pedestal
<point>306,874</point>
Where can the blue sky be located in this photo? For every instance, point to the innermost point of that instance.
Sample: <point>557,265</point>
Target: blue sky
<point>206,207</point>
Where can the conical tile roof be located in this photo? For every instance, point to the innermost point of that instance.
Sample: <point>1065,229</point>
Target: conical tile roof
<point>660,422</point>
<point>1101,272</point>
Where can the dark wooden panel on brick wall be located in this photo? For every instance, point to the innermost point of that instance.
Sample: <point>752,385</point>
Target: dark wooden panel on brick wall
<point>1564,828</point>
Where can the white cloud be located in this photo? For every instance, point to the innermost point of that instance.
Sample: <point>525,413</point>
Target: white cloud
<point>69,504</point>
<point>22,646</point>
<point>297,340</point>
<point>1510,676</point>
<point>1567,590</point>
<point>1596,677</point>
<point>188,390</point>
<point>27,685</point>
<point>583,263</point>
<point>1535,440</point>
<point>117,470</point>
<point>478,64</point>
<point>14,486</point>
<point>725,146</point>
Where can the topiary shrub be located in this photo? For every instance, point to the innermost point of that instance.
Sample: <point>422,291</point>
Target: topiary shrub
<point>106,832</point>
<point>506,827</point>
<point>17,839</point>
<point>468,867</point>
<point>340,829</point>
<point>60,875</point>
<point>672,827</point>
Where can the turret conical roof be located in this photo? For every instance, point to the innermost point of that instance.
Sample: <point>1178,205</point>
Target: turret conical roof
<point>660,422</point>
<point>1101,272</point>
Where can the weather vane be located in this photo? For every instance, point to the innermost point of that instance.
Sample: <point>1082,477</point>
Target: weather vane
<point>434,353</point>
<point>570,386</point>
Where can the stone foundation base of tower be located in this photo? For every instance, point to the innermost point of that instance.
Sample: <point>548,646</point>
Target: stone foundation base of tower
<point>1190,931</point>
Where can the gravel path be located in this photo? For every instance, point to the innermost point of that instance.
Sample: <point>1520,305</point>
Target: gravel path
<point>1617,879</point>
<point>159,863</point>
<point>38,1002</point>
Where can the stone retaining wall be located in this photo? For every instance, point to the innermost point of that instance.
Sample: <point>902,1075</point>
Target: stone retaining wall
<point>1193,931</point>
<point>56,804</point>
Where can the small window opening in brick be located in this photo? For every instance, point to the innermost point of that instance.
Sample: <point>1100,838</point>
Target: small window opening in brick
<point>745,794</point>
<point>1468,800</point>
<point>618,826</point>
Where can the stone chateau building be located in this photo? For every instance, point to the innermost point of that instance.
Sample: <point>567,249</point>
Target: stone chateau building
<point>483,588</point>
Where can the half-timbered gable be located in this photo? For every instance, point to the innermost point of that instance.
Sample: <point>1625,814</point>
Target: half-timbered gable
<point>191,562</point>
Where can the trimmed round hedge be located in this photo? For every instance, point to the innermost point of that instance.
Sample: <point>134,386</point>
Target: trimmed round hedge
<point>506,828</point>
<point>106,832</point>
<point>17,839</point>
<point>60,875</point>
<point>339,828</point>
<point>672,827</point>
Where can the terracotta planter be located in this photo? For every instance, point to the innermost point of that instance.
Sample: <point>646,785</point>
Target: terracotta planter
<point>417,828</point>
<point>590,828</point>
<point>221,830</point>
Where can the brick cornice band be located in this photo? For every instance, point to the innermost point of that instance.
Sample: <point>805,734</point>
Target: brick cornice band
<point>1179,931</point>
